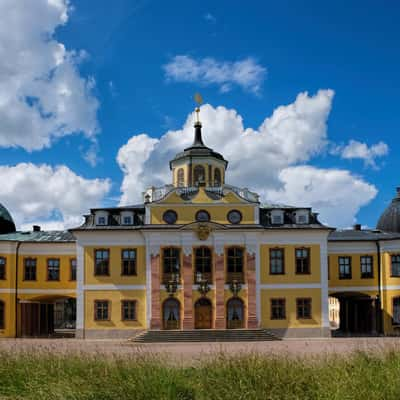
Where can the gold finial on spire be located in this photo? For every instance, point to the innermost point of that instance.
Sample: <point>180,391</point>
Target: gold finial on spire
<point>199,100</point>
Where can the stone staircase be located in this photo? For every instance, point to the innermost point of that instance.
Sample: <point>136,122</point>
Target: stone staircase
<point>205,335</point>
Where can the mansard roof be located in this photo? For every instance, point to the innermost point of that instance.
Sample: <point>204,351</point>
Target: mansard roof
<point>349,235</point>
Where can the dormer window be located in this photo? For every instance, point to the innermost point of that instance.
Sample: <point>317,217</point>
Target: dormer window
<point>302,217</point>
<point>101,218</point>
<point>277,217</point>
<point>127,221</point>
<point>126,218</point>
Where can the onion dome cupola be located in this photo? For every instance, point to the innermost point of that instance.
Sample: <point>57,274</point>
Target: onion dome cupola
<point>6,222</point>
<point>198,165</point>
<point>389,221</point>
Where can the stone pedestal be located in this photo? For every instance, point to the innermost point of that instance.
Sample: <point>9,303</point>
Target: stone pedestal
<point>155,322</point>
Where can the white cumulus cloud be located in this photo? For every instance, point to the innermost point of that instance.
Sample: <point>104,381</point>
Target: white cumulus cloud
<point>247,73</point>
<point>263,159</point>
<point>358,150</point>
<point>54,197</point>
<point>43,96</point>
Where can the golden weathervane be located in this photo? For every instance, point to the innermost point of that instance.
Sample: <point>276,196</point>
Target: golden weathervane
<point>199,100</point>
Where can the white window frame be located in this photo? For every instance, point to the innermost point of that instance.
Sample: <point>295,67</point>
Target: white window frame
<point>126,214</point>
<point>101,214</point>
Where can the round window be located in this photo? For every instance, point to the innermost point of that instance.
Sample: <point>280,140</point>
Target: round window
<point>234,217</point>
<point>170,217</point>
<point>202,216</point>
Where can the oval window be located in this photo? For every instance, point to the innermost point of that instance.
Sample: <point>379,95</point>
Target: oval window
<point>202,216</point>
<point>170,217</point>
<point>234,217</point>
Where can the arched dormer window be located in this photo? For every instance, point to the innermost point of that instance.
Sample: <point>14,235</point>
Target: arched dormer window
<point>199,175</point>
<point>217,177</point>
<point>181,177</point>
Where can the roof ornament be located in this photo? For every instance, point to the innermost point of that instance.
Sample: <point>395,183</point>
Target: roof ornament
<point>199,100</point>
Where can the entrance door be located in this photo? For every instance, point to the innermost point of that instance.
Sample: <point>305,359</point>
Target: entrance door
<point>235,314</point>
<point>171,314</point>
<point>203,314</point>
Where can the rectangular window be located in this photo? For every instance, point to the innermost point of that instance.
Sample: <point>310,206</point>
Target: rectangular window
<point>101,221</point>
<point>73,269</point>
<point>53,269</point>
<point>395,269</point>
<point>101,310</point>
<point>396,311</point>
<point>30,269</point>
<point>367,267</point>
<point>302,261</point>
<point>128,310</point>
<point>128,262</point>
<point>171,264</point>
<point>2,268</point>
<point>303,308</point>
<point>276,262</point>
<point>102,261</point>
<point>278,309</point>
<point>344,267</point>
<point>2,315</point>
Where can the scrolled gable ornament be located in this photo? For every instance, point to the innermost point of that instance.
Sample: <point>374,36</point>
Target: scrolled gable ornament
<point>203,231</point>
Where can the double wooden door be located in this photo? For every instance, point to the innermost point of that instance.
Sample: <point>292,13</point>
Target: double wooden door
<point>203,314</point>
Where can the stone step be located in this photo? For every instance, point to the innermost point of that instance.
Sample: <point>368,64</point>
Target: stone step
<point>205,335</point>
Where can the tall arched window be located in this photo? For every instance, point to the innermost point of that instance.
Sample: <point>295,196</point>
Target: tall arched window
<point>171,264</point>
<point>171,314</point>
<point>2,314</point>
<point>217,177</point>
<point>235,264</point>
<point>199,174</point>
<point>203,264</point>
<point>181,177</point>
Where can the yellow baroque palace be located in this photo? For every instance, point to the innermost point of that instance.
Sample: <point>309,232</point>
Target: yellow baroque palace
<point>200,254</point>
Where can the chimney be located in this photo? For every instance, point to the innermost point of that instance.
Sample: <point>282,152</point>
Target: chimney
<point>357,227</point>
<point>36,228</point>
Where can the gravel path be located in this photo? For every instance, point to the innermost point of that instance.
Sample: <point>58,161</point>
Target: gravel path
<point>196,351</point>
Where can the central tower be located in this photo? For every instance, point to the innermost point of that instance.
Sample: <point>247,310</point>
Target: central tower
<point>198,165</point>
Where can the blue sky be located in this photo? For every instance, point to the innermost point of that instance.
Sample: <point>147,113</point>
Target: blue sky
<point>349,47</point>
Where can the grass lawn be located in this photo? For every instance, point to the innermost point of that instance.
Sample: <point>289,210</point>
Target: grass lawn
<point>48,376</point>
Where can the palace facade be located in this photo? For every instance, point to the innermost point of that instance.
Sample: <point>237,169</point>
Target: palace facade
<point>201,254</point>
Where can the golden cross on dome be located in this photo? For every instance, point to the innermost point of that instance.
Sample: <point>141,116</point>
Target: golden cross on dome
<point>199,100</point>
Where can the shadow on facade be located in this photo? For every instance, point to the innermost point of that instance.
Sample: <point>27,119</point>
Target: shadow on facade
<point>47,317</point>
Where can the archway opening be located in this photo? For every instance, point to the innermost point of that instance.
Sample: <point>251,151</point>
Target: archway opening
<point>203,314</point>
<point>171,314</point>
<point>47,317</point>
<point>357,314</point>
<point>235,314</point>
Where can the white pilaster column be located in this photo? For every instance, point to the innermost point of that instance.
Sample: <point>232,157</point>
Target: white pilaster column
<point>80,294</point>
<point>324,284</point>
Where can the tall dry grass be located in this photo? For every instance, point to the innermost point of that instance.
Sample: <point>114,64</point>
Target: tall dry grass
<point>47,376</point>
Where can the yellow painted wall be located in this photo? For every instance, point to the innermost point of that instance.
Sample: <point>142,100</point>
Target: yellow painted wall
<point>290,295</point>
<point>290,275</point>
<point>9,302</point>
<point>387,279</point>
<point>115,276</point>
<point>41,273</point>
<point>356,279</point>
<point>115,298</point>
<point>9,282</point>
<point>187,214</point>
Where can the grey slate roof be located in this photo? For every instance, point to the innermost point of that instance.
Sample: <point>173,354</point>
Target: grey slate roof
<point>349,235</point>
<point>41,236</point>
